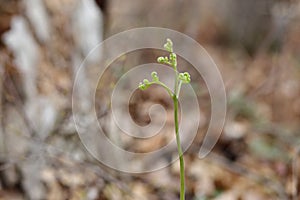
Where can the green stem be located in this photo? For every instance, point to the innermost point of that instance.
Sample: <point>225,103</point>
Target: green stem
<point>179,87</point>
<point>175,97</point>
<point>182,181</point>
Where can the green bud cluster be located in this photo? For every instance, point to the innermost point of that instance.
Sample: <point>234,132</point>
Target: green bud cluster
<point>184,77</point>
<point>173,59</point>
<point>169,45</point>
<point>170,60</point>
<point>144,85</point>
<point>163,60</point>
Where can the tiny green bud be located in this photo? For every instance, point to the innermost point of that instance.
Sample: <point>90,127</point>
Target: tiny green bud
<point>184,77</point>
<point>173,56</point>
<point>154,76</point>
<point>161,60</point>
<point>142,86</point>
<point>146,82</point>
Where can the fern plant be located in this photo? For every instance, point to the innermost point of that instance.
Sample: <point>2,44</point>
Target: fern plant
<point>180,78</point>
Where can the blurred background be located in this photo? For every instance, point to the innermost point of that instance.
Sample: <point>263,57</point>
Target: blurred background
<point>256,45</point>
